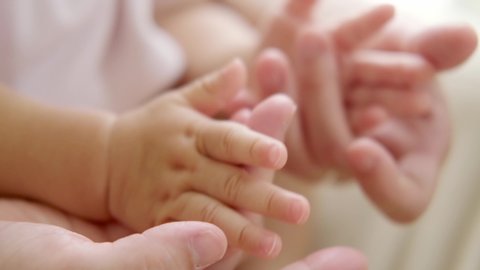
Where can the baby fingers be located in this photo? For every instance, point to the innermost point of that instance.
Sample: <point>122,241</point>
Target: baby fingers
<point>235,187</point>
<point>237,144</point>
<point>240,232</point>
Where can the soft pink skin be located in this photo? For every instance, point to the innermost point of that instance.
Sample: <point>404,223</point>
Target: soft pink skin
<point>349,116</point>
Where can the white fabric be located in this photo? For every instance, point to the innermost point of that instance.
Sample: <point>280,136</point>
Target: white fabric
<point>81,52</point>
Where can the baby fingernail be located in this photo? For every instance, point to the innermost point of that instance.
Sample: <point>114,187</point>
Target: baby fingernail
<point>271,245</point>
<point>299,212</point>
<point>276,156</point>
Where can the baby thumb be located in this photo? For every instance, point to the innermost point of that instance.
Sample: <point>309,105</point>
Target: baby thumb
<point>212,94</point>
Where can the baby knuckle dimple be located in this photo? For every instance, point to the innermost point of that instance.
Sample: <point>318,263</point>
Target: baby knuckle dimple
<point>198,133</point>
<point>232,186</point>
<point>210,211</point>
<point>207,85</point>
<point>178,207</point>
<point>244,236</point>
<point>254,147</point>
<point>227,141</point>
<point>269,202</point>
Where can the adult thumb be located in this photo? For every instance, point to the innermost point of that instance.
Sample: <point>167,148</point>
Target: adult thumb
<point>181,246</point>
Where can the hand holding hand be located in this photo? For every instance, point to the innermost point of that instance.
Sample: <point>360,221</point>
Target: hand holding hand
<point>171,161</point>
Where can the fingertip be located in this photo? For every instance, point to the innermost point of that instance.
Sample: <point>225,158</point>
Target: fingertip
<point>208,246</point>
<point>234,76</point>
<point>300,9</point>
<point>357,30</point>
<point>446,46</point>
<point>197,244</point>
<point>396,195</point>
<point>277,155</point>
<point>332,258</point>
<point>272,116</point>
<point>213,93</point>
<point>271,72</point>
<point>386,11</point>
<point>361,156</point>
<point>242,116</point>
<point>270,246</point>
<point>299,211</point>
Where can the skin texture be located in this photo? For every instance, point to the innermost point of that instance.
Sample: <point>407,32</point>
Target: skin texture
<point>347,78</point>
<point>354,122</point>
<point>356,117</point>
<point>392,152</point>
<point>195,170</point>
<point>166,161</point>
<point>31,228</point>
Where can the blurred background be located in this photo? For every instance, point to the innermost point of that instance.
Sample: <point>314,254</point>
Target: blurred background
<point>447,237</point>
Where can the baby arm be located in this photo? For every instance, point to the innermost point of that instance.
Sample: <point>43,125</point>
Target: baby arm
<point>55,155</point>
<point>171,161</point>
<point>165,161</point>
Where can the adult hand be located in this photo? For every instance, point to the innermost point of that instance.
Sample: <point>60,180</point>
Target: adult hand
<point>331,259</point>
<point>35,236</point>
<point>399,163</point>
<point>400,155</point>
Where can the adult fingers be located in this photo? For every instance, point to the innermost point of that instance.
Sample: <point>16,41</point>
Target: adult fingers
<point>401,102</point>
<point>212,93</point>
<point>320,98</point>
<point>185,246</point>
<point>285,25</point>
<point>379,68</point>
<point>355,31</point>
<point>237,144</point>
<point>300,9</point>
<point>402,191</point>
<point>445,46</point>
<point>240,231</point>
<point>331,259</point>
<point>271,74</point>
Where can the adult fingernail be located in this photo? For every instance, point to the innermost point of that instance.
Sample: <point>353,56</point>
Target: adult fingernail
<point>207,248</point>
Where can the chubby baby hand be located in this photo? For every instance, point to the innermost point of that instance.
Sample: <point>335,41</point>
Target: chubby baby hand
<point>169,160</point>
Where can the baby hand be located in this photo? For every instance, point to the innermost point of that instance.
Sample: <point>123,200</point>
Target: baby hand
<point>170,161</point>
